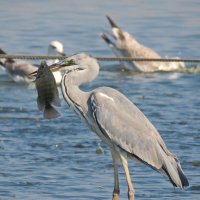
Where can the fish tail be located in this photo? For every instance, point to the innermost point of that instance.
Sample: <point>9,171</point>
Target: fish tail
<point>50,112</point>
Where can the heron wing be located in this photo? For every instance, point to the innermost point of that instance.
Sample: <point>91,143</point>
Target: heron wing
<point>127,127</point>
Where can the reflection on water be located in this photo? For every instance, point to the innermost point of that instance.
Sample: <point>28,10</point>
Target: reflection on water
<point>62,159</point>
<point>195,187</point>
<point>195,164</point>
<point>193,69</point>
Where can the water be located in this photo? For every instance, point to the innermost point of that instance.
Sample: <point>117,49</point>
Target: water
<point>62,159</point>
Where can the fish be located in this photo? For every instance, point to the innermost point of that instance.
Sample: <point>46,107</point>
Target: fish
<point>47,92</point>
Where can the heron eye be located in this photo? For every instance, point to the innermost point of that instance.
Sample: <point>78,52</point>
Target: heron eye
<point>73,70</point>
<point>79,69</point>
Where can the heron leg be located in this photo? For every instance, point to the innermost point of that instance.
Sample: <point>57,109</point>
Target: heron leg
<point>116,190</point>
<point>128,178</point>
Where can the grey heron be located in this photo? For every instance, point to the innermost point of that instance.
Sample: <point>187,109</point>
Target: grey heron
<point>124,44</point>
<point>19,70</point>
<point>118,122</point>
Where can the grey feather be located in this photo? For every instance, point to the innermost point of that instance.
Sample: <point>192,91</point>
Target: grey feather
<point>133,133</point>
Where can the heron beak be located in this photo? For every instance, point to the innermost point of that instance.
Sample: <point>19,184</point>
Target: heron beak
<point>33,74</point>
<point>56,66</point>
<point>62,64</point>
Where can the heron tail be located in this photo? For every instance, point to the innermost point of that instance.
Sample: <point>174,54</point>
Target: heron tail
<point>173,170</point>
<point>50,112</point>
<point>182,176</point>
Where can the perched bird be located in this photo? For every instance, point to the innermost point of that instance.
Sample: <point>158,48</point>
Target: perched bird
<point>125,45</point>
<point>19,70</point>
<point>47,92</point>
<point>118,122</point>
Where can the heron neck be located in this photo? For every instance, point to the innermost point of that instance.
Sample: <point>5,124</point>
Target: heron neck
<point>72,92</point>
<point>76,96</point>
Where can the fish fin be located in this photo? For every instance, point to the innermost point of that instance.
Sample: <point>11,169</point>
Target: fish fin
<point>50,112</point>
<point>40,104</point>
<point>56,100</point>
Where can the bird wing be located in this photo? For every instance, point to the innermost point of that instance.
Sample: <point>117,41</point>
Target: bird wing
<point>23,68</point>
<point>19,67</point>
<point>127,127</point>
<point>127,42</point>
<point>117,50</point>
<point>113,45</point>
<point>130,47</point>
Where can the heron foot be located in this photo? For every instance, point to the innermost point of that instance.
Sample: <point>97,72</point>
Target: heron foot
<point>116,192</point>
<point>131,195</point>
<point>115,196</point>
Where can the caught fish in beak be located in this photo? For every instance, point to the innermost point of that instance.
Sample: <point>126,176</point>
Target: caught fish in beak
<point>56,66</point>
<point>47,92</point>
<point>47,89</point>
<point>62,65</point>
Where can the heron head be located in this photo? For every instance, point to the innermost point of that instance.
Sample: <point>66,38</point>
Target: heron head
<point>79,68</point>
<point>80,61</point>
<point>56,48</point>
<point>76,66</point>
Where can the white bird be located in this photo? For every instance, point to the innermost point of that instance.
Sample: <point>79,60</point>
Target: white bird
<point>125,45</point>
<point>19,70</point>
<point>118,122</point>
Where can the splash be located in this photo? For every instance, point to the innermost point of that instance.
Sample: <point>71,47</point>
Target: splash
<point>193,69</point>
